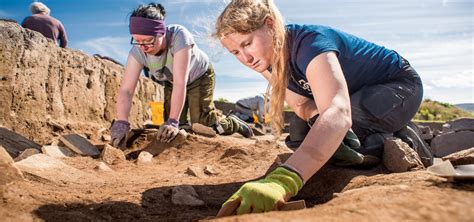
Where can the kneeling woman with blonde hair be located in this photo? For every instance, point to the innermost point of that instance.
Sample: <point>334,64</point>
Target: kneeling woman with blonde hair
<point>338,83</point>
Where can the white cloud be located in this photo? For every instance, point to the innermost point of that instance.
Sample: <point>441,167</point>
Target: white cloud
<point>115,47</point>
<point>462,80</point>
<point>234,92</point>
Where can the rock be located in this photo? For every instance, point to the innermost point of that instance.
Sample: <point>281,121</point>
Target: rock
<point>57,126</point>
<point>399,157</point>
<point>106,138</point>
<point>426,132</point>
<point>51,169</point>
<point>460,125</point>
<point>155,147</point>
<point>461,157</point>
<point>194,171</point>
<point>57,151</point>
<point>101,166</point>
<point>258,132</point>
<point>112,155</point>
<point>209,170</point>
<point>100,146</point>
<point>448,143</point>
<point>15,143</point>
<point>185,195</point>
<point>144,158</point>
<point>27,153</point>
<point>203,130</point>
<point>70,87</point>
<point>79,145</point>
<point>8,171</point>
<point>437,132</point>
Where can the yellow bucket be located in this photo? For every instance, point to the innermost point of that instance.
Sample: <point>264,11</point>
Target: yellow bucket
<point>267,118</point>
<point>255,118</point>
<point>157,112</point>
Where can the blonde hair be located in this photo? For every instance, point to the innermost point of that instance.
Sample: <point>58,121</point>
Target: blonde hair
<point>246,16</point>
<point>38,7</point>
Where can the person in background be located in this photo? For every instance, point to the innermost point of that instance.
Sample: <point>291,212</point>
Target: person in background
<point>42,22</point>
<point>342,86</point>
<point>245,108</point>
<point>172,59</point>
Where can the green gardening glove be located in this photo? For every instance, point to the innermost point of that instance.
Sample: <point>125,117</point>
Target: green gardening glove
<point>347,154</point>
<point>265,194</point>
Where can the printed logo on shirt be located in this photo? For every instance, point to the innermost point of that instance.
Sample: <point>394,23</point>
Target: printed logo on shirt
<point>305,85</point>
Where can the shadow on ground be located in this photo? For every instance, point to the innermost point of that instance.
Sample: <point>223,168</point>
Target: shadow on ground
<point>156,203</point>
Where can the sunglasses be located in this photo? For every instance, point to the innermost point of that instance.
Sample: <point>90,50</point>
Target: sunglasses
<point>146,44</point>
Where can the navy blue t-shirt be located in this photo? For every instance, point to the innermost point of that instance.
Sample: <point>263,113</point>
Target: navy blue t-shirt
<point>363,63</point>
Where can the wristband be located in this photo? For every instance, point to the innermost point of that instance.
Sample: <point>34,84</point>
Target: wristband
<point>172,122</point>
<point>292,169</point>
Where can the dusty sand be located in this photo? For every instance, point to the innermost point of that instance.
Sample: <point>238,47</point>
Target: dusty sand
<point>134,192</point>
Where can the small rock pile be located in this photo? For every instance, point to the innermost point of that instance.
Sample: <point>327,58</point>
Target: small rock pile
<point>451,137</point>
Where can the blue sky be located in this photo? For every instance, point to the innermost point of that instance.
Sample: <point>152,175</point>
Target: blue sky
<point>436,36</point>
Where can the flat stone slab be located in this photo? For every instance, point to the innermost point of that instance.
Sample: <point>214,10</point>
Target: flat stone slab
<point>15,143</point>
<point>79,144</point>
<point>57,151</point>
<point>26,153</point>
<point>453,142</point>
<point>203,130</point>
<point>460,125</point>
<point>155,147</point>
<point>462,157</point>
<point>54,170</point>
<point>8,171</point>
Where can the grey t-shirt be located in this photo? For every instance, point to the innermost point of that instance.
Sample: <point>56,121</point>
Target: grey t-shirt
<point>177,38</point>
<point>255,103</point>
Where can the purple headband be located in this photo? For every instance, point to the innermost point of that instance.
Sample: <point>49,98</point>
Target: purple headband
<point>144,26</point>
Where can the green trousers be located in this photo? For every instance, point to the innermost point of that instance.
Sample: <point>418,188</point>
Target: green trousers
<point>199,102</point>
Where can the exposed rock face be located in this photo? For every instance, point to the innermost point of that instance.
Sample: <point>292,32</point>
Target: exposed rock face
<point>42,84</point>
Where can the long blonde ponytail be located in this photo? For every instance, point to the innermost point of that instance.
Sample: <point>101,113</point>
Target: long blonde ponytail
<point>246,16</point>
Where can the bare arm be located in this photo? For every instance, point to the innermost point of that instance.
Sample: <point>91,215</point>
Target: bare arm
<point>62,36</point>
<point>331,95</point>
<point>181,69</point>
<point>127,87</point>
<point>303,107</point>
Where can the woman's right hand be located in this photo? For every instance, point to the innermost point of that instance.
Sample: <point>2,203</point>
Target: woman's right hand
<point>119,131</point>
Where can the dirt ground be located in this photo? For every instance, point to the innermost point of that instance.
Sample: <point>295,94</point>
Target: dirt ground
<point>136,192</point>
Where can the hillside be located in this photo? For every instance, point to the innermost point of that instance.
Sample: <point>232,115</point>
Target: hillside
<point>437,111</point>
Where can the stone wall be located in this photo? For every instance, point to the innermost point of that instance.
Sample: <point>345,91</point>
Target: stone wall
<point>46,90</point>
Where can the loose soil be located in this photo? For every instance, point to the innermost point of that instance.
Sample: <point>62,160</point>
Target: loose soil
<point>137,192</point>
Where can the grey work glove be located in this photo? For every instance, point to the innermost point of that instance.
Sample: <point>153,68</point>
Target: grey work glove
<point>168,131</point>
<point>119,131</point>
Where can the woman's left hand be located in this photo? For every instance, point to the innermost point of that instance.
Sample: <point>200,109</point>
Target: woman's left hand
<point>168,131</point>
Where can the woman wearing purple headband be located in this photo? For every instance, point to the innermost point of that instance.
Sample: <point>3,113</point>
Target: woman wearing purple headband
<point>171,58</point>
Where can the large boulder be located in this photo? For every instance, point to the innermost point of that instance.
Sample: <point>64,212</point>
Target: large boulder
<point>48,90</point>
